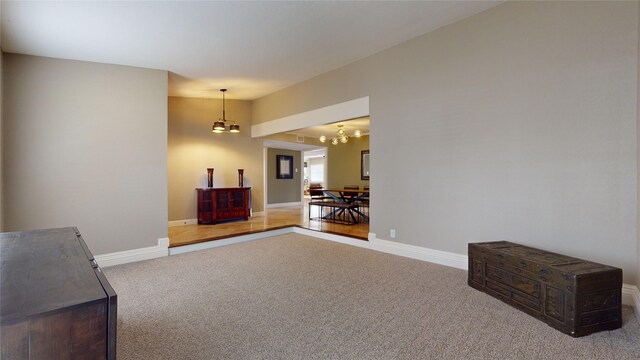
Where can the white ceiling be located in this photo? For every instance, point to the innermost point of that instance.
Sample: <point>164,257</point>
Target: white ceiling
<point>251,48</point>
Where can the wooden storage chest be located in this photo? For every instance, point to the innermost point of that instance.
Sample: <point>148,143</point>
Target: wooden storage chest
<point>574,296</point>
<point>56,302</point>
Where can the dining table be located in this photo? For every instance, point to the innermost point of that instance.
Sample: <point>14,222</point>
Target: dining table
<point>348,196</point>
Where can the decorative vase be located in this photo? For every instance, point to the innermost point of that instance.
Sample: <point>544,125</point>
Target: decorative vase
<point>210,177</point>
<point>240,177</point>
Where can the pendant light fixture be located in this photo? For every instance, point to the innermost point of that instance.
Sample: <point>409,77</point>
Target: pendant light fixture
<point>220,125</point>
<point>341,136</point>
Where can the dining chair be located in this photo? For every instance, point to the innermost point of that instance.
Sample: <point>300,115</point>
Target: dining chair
<point>315,190</point>
<point>351,194</point>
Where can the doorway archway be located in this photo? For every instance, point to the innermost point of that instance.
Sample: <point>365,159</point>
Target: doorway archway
<point>351,109</point>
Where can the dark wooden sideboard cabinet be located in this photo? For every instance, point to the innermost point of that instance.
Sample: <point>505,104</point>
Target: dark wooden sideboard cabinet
<point>55,302</point>
<point>221,204</point>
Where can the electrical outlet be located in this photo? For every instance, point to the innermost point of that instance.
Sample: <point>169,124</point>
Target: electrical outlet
<point>392,233</point>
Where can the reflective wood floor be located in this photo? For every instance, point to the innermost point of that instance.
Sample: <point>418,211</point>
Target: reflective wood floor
<point>272,219</point>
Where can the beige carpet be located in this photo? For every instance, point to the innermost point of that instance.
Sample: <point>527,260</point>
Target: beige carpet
<point>296,297</point>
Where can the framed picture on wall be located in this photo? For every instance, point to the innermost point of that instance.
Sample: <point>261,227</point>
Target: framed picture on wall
<point>284,167</point>
<point>364,165</point>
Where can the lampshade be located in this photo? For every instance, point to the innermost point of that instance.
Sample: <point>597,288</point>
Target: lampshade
<point>218,125</point>
<point>235,128</point>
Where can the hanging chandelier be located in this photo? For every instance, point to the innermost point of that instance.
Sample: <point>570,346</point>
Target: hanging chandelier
<point>341,136</point>
<point>220,125</point>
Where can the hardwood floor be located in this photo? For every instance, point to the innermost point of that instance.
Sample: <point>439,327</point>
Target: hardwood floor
<point>272,219</point>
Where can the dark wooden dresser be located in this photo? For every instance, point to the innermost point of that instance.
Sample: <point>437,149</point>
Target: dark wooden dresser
<point>222,204</point>
<point>575,296</point>
<point>55,302</point>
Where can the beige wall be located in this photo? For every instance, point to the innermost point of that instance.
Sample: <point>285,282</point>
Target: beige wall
<point>1,149</point>
<point>343,163</point>
<point>85,145</point>
<point>1,146</point>
<point>518,123</point>
<point>283,190</point>
<point>192,148</point>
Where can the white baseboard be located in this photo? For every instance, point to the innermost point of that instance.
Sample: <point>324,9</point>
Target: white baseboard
<point>289,204</point>
<point>257,213</point>
<point>228,241</point>
<point>183,222</point>
<point>631,296</point>
<point>446,258</point>
<point>333,237</point>
<point>127,256</point>
<point>410,251</point>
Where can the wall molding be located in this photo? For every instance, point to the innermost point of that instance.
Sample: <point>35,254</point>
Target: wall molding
<point>279,205</point>
<point>183,222</point>
<point>228,241</point>
<point>333,237</point>
<point>450,259</point>
<point>446,258</point>
<point>127,256</point>
<point>631,296</point>
<point>173,223</point>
